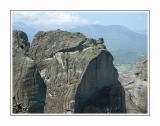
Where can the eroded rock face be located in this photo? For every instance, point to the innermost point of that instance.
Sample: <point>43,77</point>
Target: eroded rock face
<point>136,86</point>
<point>29,89</point>
<point>20,43</point>
<point>78,73</point>
<point>96,91</point>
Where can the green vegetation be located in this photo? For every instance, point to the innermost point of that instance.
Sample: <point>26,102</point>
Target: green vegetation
<point>94,52</point>
<point>91,53</point>
<point>74,37</point>
<point>142,109</point>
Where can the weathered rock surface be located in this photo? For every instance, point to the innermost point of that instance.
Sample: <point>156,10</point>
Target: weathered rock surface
<point>74,74</point>
<point>29,89</point>
<point>135,84</point>
<point>20,43</point>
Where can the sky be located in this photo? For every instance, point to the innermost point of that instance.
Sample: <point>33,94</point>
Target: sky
<point>134,20</point>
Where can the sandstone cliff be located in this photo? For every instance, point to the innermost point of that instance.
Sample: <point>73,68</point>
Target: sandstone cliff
<point>64,72</point>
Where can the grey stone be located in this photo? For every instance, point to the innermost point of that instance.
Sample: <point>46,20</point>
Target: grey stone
<point>136,87</point>
<point>73,74</point>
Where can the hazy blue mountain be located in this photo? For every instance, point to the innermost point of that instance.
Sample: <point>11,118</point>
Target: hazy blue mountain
<point>143,32</point>
<point>127,46</point>
<point>116,37</point>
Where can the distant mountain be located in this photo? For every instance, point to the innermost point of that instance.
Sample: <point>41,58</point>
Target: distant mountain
<point>143,32</point>
<point>116,37</point>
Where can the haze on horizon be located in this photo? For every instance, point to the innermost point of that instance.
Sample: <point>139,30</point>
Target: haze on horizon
<point>50,20</point>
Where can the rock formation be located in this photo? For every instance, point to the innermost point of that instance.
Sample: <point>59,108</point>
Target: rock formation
<point>136,86</point>
<point>65,72</point>
<point>29,89</point>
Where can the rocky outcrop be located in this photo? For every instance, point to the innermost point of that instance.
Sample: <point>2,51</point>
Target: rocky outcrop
<point>99,90</point>
<point>135,84</point>
<point>29,89</point>
<point>74,74</point>
<point>20,43</point>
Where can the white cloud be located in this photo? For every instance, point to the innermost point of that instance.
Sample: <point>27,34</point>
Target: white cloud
<point>46,18</point>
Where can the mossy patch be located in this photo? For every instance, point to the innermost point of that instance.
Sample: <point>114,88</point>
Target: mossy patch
<point>142,109</point>
<point>74,37</point>
<point>92,52</point>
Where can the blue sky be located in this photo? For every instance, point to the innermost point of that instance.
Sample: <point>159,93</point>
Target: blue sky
<point>130,19</point>
<point>50,19</point>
